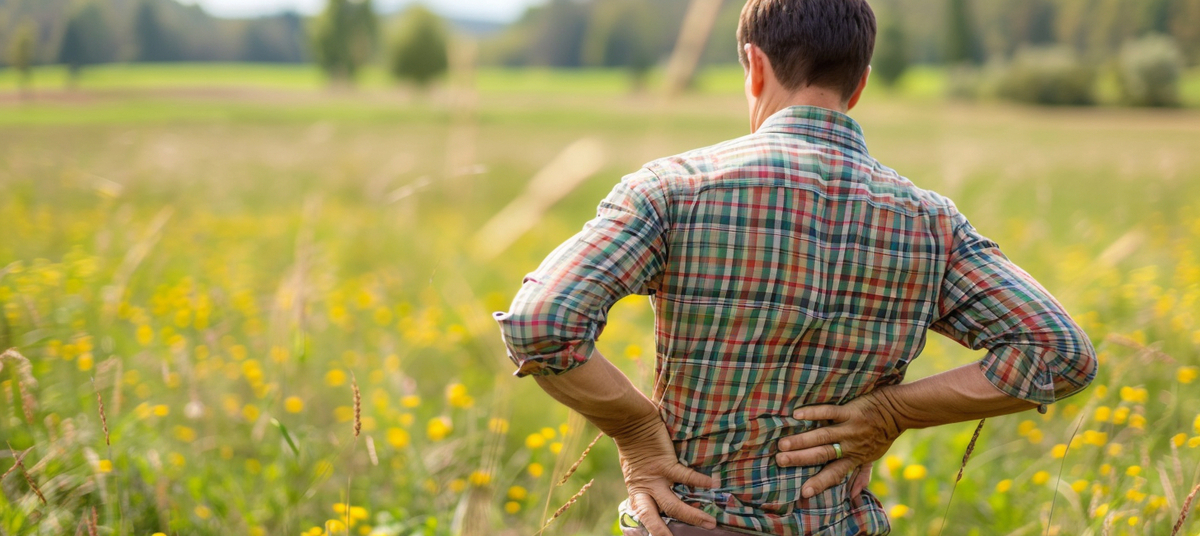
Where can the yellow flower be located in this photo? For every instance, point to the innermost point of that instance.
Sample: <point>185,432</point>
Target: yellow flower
<point>1196,424</point>
<point>893,463</point>
<point>1187,374</point>
<point>185,434</point>
<point>438,428</point>
<point>398,437</point>
<point>335,377</point>
<point>105,466</point>
<point>410,401</point>
<point>406,419</point>
<point>1059,451</point>
<point>480,478</point>
<point>556,447</point>
<point>1092,437</point>
<point>162,410</point>
<point>1025,427</point>
<point>517,493</point>
<point>535,441</point>
<point>535,470</point>
<point>915,472</point>
<point>85,362</point>
<point>1120,415</point>
<point>1179,439</point>
<point>1102,414</point>
<point>1133,521</point>
<point>512,507</point>
<point>1135,495</point>
<point>456,395</point>
<point>548,433</point>
<point>1003,486</point>
<point>358,513</point>
<point>335,526</point>
<point>1137,421</point>
<point>293,404</point>
<point>1101,391</point>
<point>458,485</point>
<point>1035,436</point>
<point>1079,486</point>
<point>1040,477</point>
<point>898,511</point>
<point>250,412</point>
<point>202,512</point>
<point>339,508</point>
<point>498,425</point>
<point>1101,511</point>
<point>1134,394</point>
<point>145,335</point>
<point>1193,442</point>
<point>1115,449</point>
<point>1105,469</point>
<point>1133,470</point>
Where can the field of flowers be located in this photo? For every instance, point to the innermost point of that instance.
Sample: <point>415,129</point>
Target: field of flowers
<point>262,313</point>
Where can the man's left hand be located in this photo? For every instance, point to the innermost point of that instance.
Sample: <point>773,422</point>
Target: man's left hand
<point>651,468</point>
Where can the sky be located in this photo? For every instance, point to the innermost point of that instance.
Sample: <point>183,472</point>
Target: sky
<point>485,10</point>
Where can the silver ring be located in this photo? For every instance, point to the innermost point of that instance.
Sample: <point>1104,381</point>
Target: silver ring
<point>837,451</point>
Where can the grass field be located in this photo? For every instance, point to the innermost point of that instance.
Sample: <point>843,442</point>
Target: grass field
<point>244,269</point>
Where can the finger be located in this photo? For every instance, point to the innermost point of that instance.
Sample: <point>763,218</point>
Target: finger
<point>818,455</point>
<point>821,413</point>
<point>682,474</point>
<point>810,439</point>
<point>863,480</point>
<point>828,477</point>
<point>646,510</point>
<point>672,506</point>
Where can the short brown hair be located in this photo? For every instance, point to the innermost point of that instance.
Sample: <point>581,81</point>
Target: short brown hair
<point>825,43</point>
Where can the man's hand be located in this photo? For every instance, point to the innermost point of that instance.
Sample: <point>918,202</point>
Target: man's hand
<point>651,467</point>
<point>864,429</point>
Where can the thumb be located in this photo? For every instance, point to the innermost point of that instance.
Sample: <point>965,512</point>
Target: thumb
<point>688,477</point>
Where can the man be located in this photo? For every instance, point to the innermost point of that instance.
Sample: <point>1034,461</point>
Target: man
<point>793,279</point>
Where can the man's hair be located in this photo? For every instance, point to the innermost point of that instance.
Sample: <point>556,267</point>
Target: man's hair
<point>824,43</point>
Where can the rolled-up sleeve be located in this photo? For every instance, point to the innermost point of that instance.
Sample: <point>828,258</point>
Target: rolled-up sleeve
<point>1036,352</point>
<point>562,307</point>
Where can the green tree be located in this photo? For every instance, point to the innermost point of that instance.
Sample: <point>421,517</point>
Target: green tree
<point>1150,70</point>
<point>420,53</point>
<point>87,40</point>
<point>152,40</point>
<point>620,34</point>
<point>344,38</point>
<point>962,39</point>
<point>891,52</point>
<point>21,53</point>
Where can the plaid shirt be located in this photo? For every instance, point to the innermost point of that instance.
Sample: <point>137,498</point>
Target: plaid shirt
<point>788,268</point>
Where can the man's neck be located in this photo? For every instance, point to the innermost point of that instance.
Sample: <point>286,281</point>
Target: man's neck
<point>771,103</point>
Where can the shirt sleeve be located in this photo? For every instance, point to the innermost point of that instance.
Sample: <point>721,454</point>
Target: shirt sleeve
<point>563,306</point>
<point>1036,352</point>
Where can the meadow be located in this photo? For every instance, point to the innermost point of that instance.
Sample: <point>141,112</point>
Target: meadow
<point>241,304</point>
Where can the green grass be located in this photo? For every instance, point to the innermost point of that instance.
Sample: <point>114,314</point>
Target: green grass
<point>284,263</point>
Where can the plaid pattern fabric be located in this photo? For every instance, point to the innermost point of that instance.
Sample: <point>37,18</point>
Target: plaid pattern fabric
<point>788,268</point>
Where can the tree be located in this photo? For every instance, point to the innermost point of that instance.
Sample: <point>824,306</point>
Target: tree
<point>620,35</point>
<point>21,54</point>
<point>152,41</point>
<point>87,40</point>
<point>420,52</point>
<point>1150,70</point>
<point>962,40</point>
<point>344,38</point>
<point>891,52</point>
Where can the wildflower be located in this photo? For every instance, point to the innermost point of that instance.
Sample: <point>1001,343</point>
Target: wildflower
<point>898,511</point>
<point>202,512</point>
<point>512,507</point>
<point>1133,470</point>
<point>1134,394</point>
<point>1079,485</point>
<point>410,401</point>
<point>456,395</point>
<point>335,378</point>
<point>1102,414</point>
<point>1059,451</point>
<point>535,470</point>
<point>1101,511</point>
<point>398,437</point>
<point>104,466</point>
<point>893,463</point>
<point>293,404</point>
<point>480,478</point>
<point>1041,477</point>
<point>162,410</point>
<point>1187,374</point>
<point>1094,438</point>
<point>1115,449</point>
<point>185,434</point>
<point>556,447</point>
<point>548,433</point>
<point>1133,521</point>
<point>1193,442</point>
<point>498,426</point>
<point>1179,439</point>
<point>458,485</point>
<point>1004,485</point>
<point>517,493</point>
<point>86,361</point>
<point>1035,436</point>
<point>535,441</point>
<point>1120,415</point>
<point>438,428</point>
<point>1135,495</point>
<point>358,513</point>
<point>335,526</point>
<point>250,412</point>
<point>1137,421</point>
<point>914,472</point>
<point>1025,427</point>
<point>1196,424</point>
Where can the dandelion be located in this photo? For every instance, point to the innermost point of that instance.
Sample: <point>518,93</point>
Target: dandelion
<point>456,395</point>
<point>1115,449</point>
<point>1120,415</point>
<point>1040,477</point>
<point>480,478</point>
<point>915,472</point>
<point>334,526</point>
<point>1105,469</point>
<point>556,447</point>
<point>1137,421</point>
<point>1079,486</point>
<point>410,401</point>
<point>1196,424</point>
<point>535,441</point>
<point>1035,436</point>
<point>335,378</point>
<point>512,507</point>
<point>898,511</point>
<point>398,437</point>
<point>85,362</point>
<point>358,513</point>
<point>1187,375</point>
<point>535,470</point>
<point>1193,442</point>
<point>202,512</point>
<point>517,493</point>
<point>458,485</point>
<point>1026,427</point>
<point>893,463</point>
<point>185,434</point>
<point>1059,451</point>
<point>1102,414</point>
<point>1101,511</point>
<point>161,410</point>
<point>548,433</point>
<point>104,466</point>
<point>438,428</point>
<point>1094,438</point>
<point>1133,470</point>
<point>1004,485</point>
<point>498,426</point>
<point>293,404</point>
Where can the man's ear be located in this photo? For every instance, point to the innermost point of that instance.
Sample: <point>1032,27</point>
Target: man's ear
<point>862,86</point>
<point>756,64</point>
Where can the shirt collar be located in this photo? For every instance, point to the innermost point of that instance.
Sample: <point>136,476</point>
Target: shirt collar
<point>818,125</point>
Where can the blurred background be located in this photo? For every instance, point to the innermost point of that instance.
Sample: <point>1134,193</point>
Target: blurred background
<point>249,250</point>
